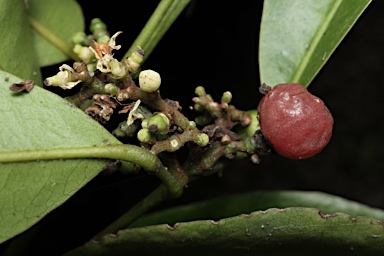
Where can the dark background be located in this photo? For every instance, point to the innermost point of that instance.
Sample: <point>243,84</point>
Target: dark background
<point>214,44</point>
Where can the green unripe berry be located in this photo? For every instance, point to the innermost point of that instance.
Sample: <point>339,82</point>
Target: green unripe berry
<point>149,80</point>
<point>202,139</point>
<point>96,24</point>
<point>158,124</point>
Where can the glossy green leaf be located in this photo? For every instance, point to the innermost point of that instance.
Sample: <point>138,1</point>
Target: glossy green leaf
<point>17,54</point>
<point>42,120</point>
<point>289,231</point>
<point>62,19</point>
<point>298,37</point>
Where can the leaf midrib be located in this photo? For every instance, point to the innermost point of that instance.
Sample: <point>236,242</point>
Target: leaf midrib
<point>315,41</point>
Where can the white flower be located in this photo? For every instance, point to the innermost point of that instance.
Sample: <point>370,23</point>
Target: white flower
<point>133,115</point>
<point>64,78</point>
<point>105,61</point>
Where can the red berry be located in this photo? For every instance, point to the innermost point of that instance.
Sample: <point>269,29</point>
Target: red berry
<point>295,122</point>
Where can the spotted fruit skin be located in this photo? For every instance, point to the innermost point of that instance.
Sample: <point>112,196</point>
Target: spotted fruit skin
<point>295,122</point>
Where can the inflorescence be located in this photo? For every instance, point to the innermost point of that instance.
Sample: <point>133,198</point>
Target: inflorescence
<point>108,88</point>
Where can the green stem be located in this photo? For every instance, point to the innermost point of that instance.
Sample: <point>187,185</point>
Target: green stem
<point>155,101</point>
<point>162,18</point>
<point>174,142</point>
<point>130,153</point>
<point>212,154</point>
<point>239,115</point>
<point>54,39</point>
<point>156,197</point>
<point>159,195</point>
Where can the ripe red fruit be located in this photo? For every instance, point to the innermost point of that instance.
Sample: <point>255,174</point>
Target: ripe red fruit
<point>295,122</point>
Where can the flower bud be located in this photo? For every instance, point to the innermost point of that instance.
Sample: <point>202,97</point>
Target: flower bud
<point>149,80</point>
<point>191,125</point>
<point>79,38</point>
<point>91,67</point>
<point>111,89</point>
<point>144,135</point>
<point>133,62</point>
<point>144,123</point>
<point>99,33</point>
<point>103,38</point>
<point>227,97</point>
<point>202,139</point>
<point>118,69</point>
<point>85,54</point>
<point>200,91</point>
<point>96,24</point>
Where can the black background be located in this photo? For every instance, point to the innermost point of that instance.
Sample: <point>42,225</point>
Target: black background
<point>215,44</point>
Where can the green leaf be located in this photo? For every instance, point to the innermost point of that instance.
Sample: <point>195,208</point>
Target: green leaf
<point>296,231</point>
<point>42,120</point>
<point>298,37</point>
<point>60,19</point>
<point>17,54</point>
<point>290,231</point>
<point>233,205</point>
<point>23,51</point>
